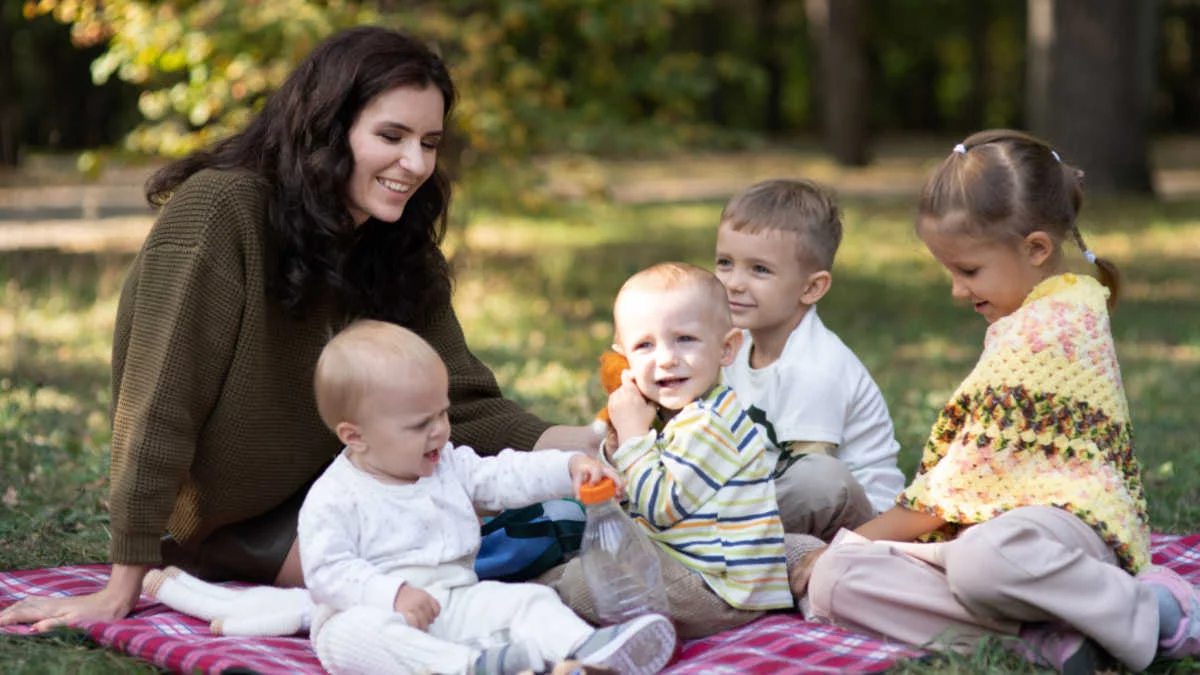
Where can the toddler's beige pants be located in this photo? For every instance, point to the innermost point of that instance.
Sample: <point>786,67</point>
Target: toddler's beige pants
<point>817,496</point>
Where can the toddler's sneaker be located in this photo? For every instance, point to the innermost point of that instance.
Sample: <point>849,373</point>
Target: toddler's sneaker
<point>640,646</point>
<point>1057,646</point>
<point>1186,640</point>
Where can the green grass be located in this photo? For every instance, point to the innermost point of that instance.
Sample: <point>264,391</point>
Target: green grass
<point>67,653</point>
<point>534,295</point>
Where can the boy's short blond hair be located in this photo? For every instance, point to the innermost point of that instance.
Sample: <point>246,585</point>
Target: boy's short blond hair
<point>801,207</point>
<point>362,357</point>
<point>669,276</point>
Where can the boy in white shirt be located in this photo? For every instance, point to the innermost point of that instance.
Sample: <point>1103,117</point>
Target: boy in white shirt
<point>388,534</point>
<point>823,414</point>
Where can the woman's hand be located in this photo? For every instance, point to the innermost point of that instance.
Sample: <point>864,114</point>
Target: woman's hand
<point>562,437</point>
<point>584,469</point>
<point>112,603</point>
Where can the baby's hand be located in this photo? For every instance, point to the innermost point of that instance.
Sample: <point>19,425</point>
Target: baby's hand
<point>584,469</point>
<point>631,412</point>
<point>418,607</point>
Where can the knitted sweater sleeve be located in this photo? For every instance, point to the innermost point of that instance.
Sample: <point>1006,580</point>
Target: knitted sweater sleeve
<point>177,325</point>
<point>480,416</point>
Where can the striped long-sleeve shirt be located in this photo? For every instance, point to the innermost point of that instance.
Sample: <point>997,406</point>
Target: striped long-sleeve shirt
<point>703,489</point>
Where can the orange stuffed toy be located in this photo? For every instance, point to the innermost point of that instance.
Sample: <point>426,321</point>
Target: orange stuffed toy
<point>612,365</point>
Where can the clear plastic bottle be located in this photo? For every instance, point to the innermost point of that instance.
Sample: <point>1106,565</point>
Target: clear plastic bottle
<point>620,563</point>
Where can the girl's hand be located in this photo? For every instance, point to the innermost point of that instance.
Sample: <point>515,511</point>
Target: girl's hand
<point>899,524</point>
<point>584,469</point>
<point>630,411</point>
<point>418,607</point>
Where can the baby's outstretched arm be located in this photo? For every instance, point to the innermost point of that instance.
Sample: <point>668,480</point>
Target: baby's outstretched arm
<point>586,470</point>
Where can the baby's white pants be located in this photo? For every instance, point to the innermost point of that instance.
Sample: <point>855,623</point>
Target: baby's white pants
<point>487,614</point>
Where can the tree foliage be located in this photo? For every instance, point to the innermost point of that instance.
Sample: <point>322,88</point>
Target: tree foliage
<point>533,73</point>
<point>607,77</point>
<point>203,65</point>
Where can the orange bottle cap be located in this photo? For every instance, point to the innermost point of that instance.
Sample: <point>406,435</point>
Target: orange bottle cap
<point>597,492</point>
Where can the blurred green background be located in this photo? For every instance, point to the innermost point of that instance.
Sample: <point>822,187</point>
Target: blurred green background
<point>594,138</point>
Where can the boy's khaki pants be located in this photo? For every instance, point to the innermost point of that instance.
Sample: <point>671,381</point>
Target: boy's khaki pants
<point>817,496</point>
<point>1030,564</point>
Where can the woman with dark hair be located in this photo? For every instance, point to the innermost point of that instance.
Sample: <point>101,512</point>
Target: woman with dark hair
<point>328,207</point>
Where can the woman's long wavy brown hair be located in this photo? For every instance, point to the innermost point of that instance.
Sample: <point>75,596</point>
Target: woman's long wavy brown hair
<point>300,144</point>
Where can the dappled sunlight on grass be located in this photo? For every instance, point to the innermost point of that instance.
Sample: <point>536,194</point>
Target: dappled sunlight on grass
<point>939,348</point>
<point>534,294</point>
<point>55,344</point>
<point>1169,356</point>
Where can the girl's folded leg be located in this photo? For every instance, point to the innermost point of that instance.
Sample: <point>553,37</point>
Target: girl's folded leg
<point>876,589</point>
<point>1040,563</point>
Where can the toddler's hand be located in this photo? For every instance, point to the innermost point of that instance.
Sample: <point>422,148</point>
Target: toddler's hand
<point>584,469</point>
<point>418,607</point>
<point>631,412</point>
<point>799,574</point>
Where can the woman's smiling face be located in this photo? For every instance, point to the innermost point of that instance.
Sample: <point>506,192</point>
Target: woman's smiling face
<point>394,143</point>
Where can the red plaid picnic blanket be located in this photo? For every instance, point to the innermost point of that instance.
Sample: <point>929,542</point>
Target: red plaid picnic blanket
<point>778,644</point>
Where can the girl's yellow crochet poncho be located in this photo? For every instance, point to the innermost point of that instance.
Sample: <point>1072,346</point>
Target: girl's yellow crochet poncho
<point>1042,420</point>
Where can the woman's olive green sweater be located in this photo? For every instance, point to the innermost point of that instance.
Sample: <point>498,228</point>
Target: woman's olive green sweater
<point>214,419</point>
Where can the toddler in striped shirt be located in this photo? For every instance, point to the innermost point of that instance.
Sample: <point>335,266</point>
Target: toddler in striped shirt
<point>701,487</point>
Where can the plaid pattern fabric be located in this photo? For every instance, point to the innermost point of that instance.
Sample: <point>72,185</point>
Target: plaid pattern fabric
<point>172,641</point>
<point>778,644</point>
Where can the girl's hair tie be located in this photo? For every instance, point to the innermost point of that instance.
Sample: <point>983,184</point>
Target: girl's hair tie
<point>1091,257</point>
<point>1054,154</point>
<point>960,149</point>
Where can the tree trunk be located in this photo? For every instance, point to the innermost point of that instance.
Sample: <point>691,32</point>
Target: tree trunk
<point>10,107</point>
<point>978,15</point>
<point>772,63</point>
<point>1090,79</point>
<point>837,32</point>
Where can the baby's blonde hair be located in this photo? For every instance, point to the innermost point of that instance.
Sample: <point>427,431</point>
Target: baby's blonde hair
<point>670,276</point>
<point>359,359</point>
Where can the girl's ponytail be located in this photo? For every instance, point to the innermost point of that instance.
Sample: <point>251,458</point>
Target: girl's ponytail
<point>1106,269</point>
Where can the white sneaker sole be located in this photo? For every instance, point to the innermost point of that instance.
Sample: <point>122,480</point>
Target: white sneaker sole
<point>643,648</point>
